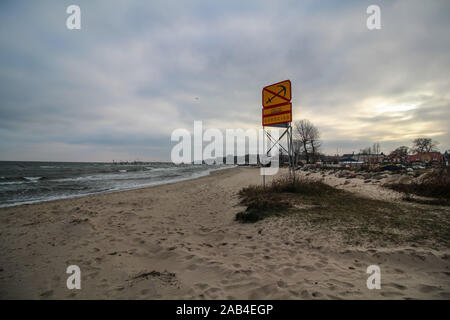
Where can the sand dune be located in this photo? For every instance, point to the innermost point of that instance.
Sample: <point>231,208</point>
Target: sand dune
<point>180,241</point>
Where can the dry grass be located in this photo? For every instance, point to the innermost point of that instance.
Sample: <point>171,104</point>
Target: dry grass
<point>359,220</point>
<point>436,185</point>
<point>275,198</point>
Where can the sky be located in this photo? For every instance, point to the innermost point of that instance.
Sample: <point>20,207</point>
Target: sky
<point>138,70</point>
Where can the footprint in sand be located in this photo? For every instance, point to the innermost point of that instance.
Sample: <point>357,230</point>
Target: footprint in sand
<point>263,292</point>
<point>427,289</point>
<point>305,294</point>
<point>391,294</point>
<point>308,268</point>
<point>46,294</point>
<point>396,286</point>
<point>192,267</point>
<point>288,271</point>
<point>319,265</point>
<point>201,286</point>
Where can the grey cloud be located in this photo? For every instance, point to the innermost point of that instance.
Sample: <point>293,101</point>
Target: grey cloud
<point>137,70</point>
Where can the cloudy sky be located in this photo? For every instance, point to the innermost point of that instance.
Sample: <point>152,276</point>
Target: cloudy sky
<point>137,70</point>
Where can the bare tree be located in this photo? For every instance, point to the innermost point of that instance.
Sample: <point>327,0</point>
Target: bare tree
<point>315,143</point>
<point>400,152</point>
<point>307,139</point>
<point>366,151</point>
<point>424,145</point>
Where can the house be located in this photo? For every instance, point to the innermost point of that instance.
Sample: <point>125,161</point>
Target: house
<point>349,160</point>
<point>426,157</point>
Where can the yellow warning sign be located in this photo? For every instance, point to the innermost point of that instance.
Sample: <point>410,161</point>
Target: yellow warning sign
<point>277,94</point>
<point>277,118</point>
<point>276,110</point>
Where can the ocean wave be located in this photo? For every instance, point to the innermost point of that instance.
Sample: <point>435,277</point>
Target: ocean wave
<point>132,184</point>
<point>20,180</point>
<point>11,182</point>
<point>33,178</point>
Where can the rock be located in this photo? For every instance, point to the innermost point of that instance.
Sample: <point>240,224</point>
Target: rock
<point>405,179</point>
<point>422,177</point>
<point>343,174</point>
<point>393,178</point>
<point>379,176</point>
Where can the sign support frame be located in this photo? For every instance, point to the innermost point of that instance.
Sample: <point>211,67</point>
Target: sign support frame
<point>289,151</point>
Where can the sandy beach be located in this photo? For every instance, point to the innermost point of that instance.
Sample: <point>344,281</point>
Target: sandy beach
<point>181,241</point>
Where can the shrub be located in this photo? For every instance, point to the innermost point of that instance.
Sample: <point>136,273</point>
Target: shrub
<point>274,198</point>
<point>436,185</point>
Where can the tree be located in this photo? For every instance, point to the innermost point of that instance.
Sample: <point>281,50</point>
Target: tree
<point>366,151</point>
<point>307,139</point>
<point>315,143</point>
<point>424,145</point>
<point>400,152</point>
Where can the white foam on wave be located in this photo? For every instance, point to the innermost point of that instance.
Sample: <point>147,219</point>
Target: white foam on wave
<point>33,179</point>
<point>194,175</point>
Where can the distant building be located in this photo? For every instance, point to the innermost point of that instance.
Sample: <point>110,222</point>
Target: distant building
<point>329,159</point>
<point>399,158</point>
<point>362,158</point>
<point>347,159</point>
<point>371,158</point>
<point>426,157</point>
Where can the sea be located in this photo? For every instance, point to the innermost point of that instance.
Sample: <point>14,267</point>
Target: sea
<point>31,182</point>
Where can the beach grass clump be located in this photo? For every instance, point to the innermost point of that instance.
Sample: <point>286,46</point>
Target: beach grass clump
<point>275,198</point>
<point>435,185</point>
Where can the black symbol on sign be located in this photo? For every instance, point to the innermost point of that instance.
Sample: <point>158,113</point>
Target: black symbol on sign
<point>283,89</point>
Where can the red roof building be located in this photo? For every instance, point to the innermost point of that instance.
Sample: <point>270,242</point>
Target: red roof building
<point>426,157</point>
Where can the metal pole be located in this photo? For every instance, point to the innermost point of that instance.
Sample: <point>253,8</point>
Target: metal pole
<point>264,153</point>
<point>288,138</point>
<point>292,155</point>
<point>291,168</point>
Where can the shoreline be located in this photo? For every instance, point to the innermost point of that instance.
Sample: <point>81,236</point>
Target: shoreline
<point>208,173</point>
<point>181,241</point>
